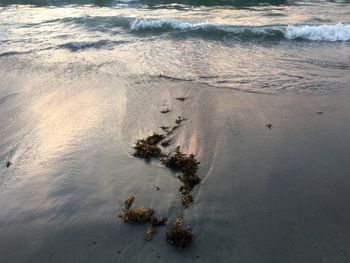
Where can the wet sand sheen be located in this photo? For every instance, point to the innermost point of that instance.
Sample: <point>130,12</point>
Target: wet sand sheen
<point>266,195</point>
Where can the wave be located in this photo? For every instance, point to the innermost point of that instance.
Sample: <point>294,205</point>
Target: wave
<point>76,46</point>
<point>329,33</point>
<point>338,32</point>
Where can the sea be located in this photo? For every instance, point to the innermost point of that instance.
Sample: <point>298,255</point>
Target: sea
<point>279,46</point>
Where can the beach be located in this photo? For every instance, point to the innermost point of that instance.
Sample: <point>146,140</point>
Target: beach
<point>258,93</point>
<point>266,195</point>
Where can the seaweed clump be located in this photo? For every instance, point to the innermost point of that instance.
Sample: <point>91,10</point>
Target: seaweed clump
<point>165,143</point>
<point>187,199</point>
<point>147,148</point>
<point>155,222</point>
<point>159,222</point>
<point>149,233</point>
<point>188,166</point>
<point>178,235</point>
<point>128,201</point>
<point>137,215</point>
<point>141,215</point>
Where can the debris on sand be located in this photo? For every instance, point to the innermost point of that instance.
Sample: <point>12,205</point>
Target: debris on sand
<point>165,111</point>
<point>147,148</point>
<point>156,187</point>
<point>165,128</point>
<point>181,98</point>
<point>159,222</point>
<point>179,120</point>
<point>169,132</point>
<point>153,139</point>
<point>269,125</point>
<point>187,199</point>
<point>141,215</point>
<point>178,235</point>
<point>128,201</point>
<point>138,215</point>
<point>147,151</point>
<point>8,164</point>
<point>188,182</point>
<point>188,165</point>
<point>165,143</point>
<point>149,233</point>
<point>319,112</point>
<point>178,161</point>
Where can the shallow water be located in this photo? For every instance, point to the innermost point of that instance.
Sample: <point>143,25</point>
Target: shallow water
<point>80,81</point>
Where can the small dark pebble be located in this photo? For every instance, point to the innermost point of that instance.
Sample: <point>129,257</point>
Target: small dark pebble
<point>320,112</point>
<point>156,187</point>
<point>165,111</point>
<point>181,98</point>
<point>95,243</point>
<point>269,125</point>
<point>8,164</point>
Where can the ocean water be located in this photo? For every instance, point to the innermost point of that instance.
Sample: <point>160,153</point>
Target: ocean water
<point>257,46</point>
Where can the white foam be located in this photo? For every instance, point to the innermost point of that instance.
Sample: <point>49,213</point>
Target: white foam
<point>338,32</point>
<point>141,24</point>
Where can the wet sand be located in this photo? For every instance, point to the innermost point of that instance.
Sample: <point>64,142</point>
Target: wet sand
<point>267,195</point>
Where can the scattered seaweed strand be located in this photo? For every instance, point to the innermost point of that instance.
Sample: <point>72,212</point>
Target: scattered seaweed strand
<point>149,233</point>
<point>179,236</point>
<point>147,148</point>
<point>128,201</point>
<point>137,215</point>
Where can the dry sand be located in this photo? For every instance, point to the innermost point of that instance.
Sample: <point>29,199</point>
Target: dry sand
<point>267,195</point>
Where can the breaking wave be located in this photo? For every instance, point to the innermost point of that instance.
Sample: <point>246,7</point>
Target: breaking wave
<point>338,32</point>
<point>335,32</point>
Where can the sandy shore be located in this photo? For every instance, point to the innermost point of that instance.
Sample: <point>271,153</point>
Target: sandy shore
<point>267,195</point>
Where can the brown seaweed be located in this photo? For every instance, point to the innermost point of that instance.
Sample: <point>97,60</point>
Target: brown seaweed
<point>165,128</point>
<point>179,120</point>
<point>178,235</point>
<point>149,233</point>
<point>178,161</point>
<point>166,143</point>
<point>147,148</point>
<point>138,215</point>
<point>188,182</point>
<point>128,201</point>
<point>187,199</point>
<point>159,222</point>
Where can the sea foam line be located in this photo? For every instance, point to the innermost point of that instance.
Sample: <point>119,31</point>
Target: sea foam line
<point>338,32</point>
